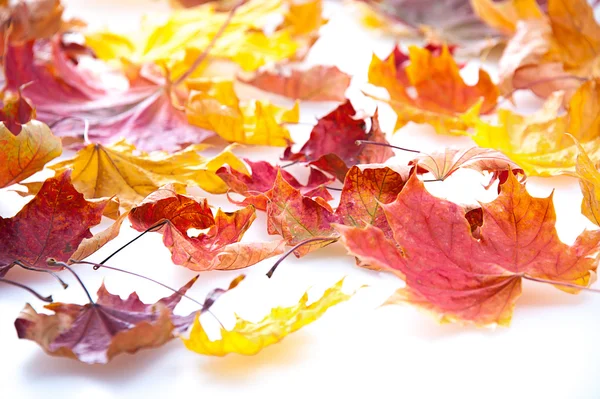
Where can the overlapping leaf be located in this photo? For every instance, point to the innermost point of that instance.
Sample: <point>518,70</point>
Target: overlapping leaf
<point>332,144</point>
<point>247,338</point>
<point>217,247</point>
<point>97,332</point>
<point>428,74</point>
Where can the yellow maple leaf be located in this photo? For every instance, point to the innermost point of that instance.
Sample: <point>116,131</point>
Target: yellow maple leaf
<point>214,105</point>
<point>119,169</point>
<point>589,181</point>
<point>538,142</point>
<point>504,15</point>
<point>27,152</point>
<point>428,75</point>
<point>187,32</point>
<point>248,338</point>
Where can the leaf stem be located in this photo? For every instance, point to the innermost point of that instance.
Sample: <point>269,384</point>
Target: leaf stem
<point>30,290</point>
<point>561,283</point>
<point>149,229</point>
<point>99,265</point>
<point>362,142</point>
<point>54,262</point>
<point>35,269</point>
<point>295,247</point>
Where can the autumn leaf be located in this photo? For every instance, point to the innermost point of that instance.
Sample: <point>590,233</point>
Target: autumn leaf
<point>216,247</point>
<point>27,152</point>
<point>53,224</point>
<point>247,338</point>
<point>459,277</point>
<point>504,15</point>
<point>66,97</point>
<point>589,181</point>
<point>183,34</point>
<point>537,143</point>
<point>16,111</point>
<point>332,144</point>
<point>429,74</point>
<point>254,186</point>
<point>121,170</point>
<point>319,83</point>
<point>90,245</point>
<point>563,52</point>
<point>214,105</point>
<point>298,218</point>
<point>453,21</point>
<point>100,330</point>
<point>443,164</point>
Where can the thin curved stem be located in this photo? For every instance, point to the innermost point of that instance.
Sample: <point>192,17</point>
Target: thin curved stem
<point>54,262</point>
<point>289,164</point>
<point>362,142</point>
<point>35,269</point>
<point>210,46</point>
<point>99,265</point>
<point>334,188</point>
<point>30,290</point>
<point>295,247</point>
<point>562,284</point>
<point>149,229</point>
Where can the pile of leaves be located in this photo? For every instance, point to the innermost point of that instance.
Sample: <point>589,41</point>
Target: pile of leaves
<point>137,110</point>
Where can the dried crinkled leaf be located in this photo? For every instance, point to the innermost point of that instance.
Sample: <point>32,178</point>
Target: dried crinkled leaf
<point>461,278</point>
<point>297,218</point>
<point>589,181</point>
<point>319,83</point>
<point>451,21</point>
<point>66,97</point>
<point>443,164</point>
<point>429,75</point>
<point>95,333</point>
<point>30,20</point>
<point>304,17</point>
<point>249,338</point>
<point>216,247</point>
<point>504,15</point>
<point>16,111</point>
<point>565,52</point>
<point>213,105</point>
<point>131,175</point>
<point>26,153</point>
<point>254,186</point>
<point>166,40</point>
<point>90,245</point>
<point>332,144</point>
<point>537,143</point>
<point>53,224</point>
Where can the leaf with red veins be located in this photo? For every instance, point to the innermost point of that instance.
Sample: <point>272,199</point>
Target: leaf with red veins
<point>217,247</point>
<point>95,333</point>
<point>443,164</point>
<point>462,278</point>
<point>332,143</point>
<point>52,225</point>
<point>64,97</point>
<point>298,218</point>
<point>254,186</point>
<point>319,83</point>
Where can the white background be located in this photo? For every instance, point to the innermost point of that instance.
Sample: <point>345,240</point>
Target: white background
<point>551,349</point>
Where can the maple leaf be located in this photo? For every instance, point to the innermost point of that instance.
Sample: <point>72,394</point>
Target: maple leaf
<point>537,143</point>
<point>213,105</point>
<point>53,224</point>
<point>121,170</point>
<point>462,278</point>
<point>298,218</point>
<point>62,94</point>
<point>443,164</point>
<point>249,338</point>
<point>505,15</point>
<point>216,248</point>
<point>183,34</point>
<point>563,51</point>
<point>332,144</point>
<point>319,83</point>
<point>589,181</point>
<point>254,186</point>
<point>429,74</point>
<point>16,111</point>
<point>27,152</point>
<point>100,330</point>
<point>450,21</point>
